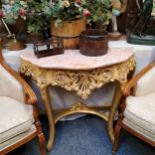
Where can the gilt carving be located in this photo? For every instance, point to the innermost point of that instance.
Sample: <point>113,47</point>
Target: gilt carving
<point>82,82</point>
<point>79,106</point>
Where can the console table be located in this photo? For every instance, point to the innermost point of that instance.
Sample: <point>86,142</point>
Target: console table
<point>81,74</point>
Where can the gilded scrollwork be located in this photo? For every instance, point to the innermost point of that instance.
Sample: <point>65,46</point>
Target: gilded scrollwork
<point>79,106</point>
<point>83,81</point>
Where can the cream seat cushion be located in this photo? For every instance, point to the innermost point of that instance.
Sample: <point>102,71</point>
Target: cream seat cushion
<point>15,118</point>
<point>140,114</point>
<point>17,138</point>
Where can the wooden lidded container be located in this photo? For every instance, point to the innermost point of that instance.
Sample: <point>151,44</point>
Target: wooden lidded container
<point>93,42</point>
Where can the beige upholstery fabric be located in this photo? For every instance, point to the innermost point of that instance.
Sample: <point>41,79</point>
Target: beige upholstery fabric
<point>146,84</point>
<point>15,118</point>
<point>140,114</point>
<point>9,86</point>
<point>139,129</point>
<point>17,138</point>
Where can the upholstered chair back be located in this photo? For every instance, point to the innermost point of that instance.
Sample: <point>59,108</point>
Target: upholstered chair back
<point>137,114</point>
<point>9,86</point>
<point>146,84</point>
<point>19,121</point>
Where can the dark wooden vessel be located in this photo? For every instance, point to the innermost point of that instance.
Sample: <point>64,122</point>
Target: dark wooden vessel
<point>93,42</point>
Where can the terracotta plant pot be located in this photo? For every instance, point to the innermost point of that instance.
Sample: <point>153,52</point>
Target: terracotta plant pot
<point>69,32</point>
<point>93,42</point>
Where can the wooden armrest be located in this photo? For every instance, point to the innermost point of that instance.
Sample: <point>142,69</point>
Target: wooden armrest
<point>130,87</point>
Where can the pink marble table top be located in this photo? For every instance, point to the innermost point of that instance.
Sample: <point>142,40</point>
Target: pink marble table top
<point>74,60</point>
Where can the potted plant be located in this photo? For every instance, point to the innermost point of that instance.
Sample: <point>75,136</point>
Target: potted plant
<point>67,20</point>
<point>68,16</point>
<point>63,13</point>
<point>36,13</point>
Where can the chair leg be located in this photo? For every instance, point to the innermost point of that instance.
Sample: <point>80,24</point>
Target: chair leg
<point>42,146</point>
<point>41,138</point>
<point>114,147</point>
<point>40,134</point>
<point>117,136</point>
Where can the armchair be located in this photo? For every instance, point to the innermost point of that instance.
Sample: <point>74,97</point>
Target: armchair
<point>19,122</point>
<point>137,114</point>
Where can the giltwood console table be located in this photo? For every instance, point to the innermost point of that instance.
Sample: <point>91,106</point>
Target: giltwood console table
<point>75,72</point>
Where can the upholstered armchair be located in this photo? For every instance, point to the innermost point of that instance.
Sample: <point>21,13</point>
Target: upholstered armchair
<point>137,114</point>
<point>19,122</point>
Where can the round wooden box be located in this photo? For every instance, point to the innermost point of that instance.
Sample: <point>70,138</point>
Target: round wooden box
<point>93,42</point>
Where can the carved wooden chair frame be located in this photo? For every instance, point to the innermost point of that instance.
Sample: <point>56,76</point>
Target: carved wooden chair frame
<point>30,98</point>
<point>130,89</point>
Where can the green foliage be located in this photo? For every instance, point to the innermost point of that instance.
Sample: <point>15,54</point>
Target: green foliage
<point>93,10</point>
<point>36,12</point>
<point>66,10</point>
<point>36,23</point>
<point>100,11</point>
<point>39,12</point>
